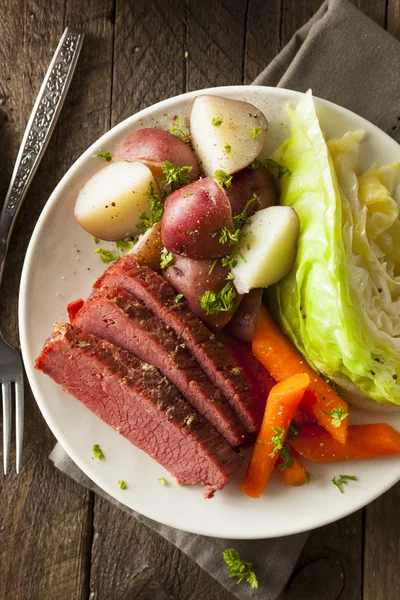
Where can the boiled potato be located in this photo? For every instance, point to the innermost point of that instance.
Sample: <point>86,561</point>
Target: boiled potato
<point>192,278</point>
<point>245,184</point>
<point>269,249</point>
<point>148,248</point>
<point>153,147</point>
<point>226,134</point>
<point>242,325</point>
<point>110,203</point>
<point>193,217</point>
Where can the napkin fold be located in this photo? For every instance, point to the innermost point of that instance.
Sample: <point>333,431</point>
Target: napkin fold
<point>344,57</point>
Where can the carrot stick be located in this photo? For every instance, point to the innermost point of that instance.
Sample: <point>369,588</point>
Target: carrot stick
<point>282,360</point>
<point>295,473</point>
<point>363,442</point>
<point>282,403</point>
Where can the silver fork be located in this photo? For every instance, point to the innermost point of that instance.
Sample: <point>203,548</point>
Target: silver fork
<point>40,126</point>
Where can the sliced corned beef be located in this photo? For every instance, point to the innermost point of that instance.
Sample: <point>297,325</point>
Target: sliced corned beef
<point>120,318</point>
<point>132,397</point>
<point>212,355</point>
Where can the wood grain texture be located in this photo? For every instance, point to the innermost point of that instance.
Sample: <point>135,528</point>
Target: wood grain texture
<point>262,36</point>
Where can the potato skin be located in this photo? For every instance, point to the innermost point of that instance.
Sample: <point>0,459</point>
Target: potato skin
<point>248,182</point>
<point>241,326</point>
<point>154,146</point>
<point>191,278</point>
<point>193,216</point>
<point>148,247</point>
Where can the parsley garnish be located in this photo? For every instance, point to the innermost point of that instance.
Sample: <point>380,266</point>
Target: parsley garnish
<point>96,240</point>
<point>222,301</point>
<point>167,258</point>
<point>308,477</point>
<point>106,256</point>
<point>255,132</point>
<point>176,129</point>
<point>255,164</point>
<point>162,480</point>
<point>287,458</point>
<point>229,261</point>
<point>293,432</point>
<point>211,269</point>
<point>223,178</point>
<point>242,218</point>
<point>83,344</point>
<point>337,416</point>
<point>106,156</point>
<point>122,484</point>
<point>227,148</point>
<point>240,568</point>
<point>217,121</point>
<point>343,480</point>
<point>124,244</point>
<point>277,440</point>
<point>178,298</point>
<point>97,452</point>
<point>277,171</point>
<point>174,176</point>
<point>156,208</point>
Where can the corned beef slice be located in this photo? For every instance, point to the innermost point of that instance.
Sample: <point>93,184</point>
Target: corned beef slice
<point>218,364</point>
<point>118,317</point>
<point>139,403</point>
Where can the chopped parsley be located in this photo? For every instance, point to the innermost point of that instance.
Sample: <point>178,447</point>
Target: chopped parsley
<point>223,178</point>
<point>96,240</point>
<point>277,171</point>
<point>277,440</point>
<point>293,432</point>
<point>174,176</point>
<point>255,132</point>
<point>178,298</point>
<point>124,245</point>
<point>166,259</point>
<point>287,458</point>
<point>337,415</point>
<point>211,269</point>
<point>243,218</point>
<point>83,344</point>
<point>177,130</point>
<point>122,484</point>
<point>106,156</point>
<point>222,301</point>
<point>97,452</point>
<point>308,477</point>
<point>343,480</point>
<point>229,261</point>
<point>162,480</point>
<point>156,208</point>
<point>227,148</point>
<point>240,568</point>
<point>255,164</point>
<point>217,121</point>
<point>106,256</point>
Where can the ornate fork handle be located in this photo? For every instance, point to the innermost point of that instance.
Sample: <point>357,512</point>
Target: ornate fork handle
<point>38,131</point>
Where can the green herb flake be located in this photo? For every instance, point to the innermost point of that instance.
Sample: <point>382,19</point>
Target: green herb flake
<point>177,130</point>
<point>124,245</point>
<point>106,256</point>
<point>167,258</point>
<point>162,481</point>
<point>240,568</point>
<point>337,415</point>
<point>255,132</point>
<point>277,440</point>
<point>229,261</point>
<point>277,171</point>
<point>223,178</point>
<point>343,480</point>
<point>97,452</point>
<point>293,431</point>
<point>156,210</point>
<point>96,240</point>
<point>243,218</point>
<point>122,484</point>
<point>227,148</point>
<point>217,121</point>
<point>174,176</point>
<point>178,298</point>
<point>308,477</point>
<point>211,269</point>
<point>106,156</point>
<point>222,301</point>
<point>83,344</point>
<point>254,165</point>
<point>287,458</point>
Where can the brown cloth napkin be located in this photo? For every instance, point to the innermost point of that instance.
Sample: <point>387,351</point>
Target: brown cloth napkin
<point>346,58</point>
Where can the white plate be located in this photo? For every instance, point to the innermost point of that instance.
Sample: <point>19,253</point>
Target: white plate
<point>60,267</point>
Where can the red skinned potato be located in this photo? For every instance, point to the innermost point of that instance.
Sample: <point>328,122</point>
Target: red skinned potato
<point>153,147</point>
<point>192,215</point>
<point>248,182</point>
<point>241,326</point>
<point>192,278</point>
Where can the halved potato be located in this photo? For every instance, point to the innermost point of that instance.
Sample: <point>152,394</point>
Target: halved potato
<point>268,252</point>
<point>226,134</point>
<point>110,203</point>
<point>148,248</point>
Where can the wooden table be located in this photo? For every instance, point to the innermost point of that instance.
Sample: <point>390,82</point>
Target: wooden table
<point>57,540</point>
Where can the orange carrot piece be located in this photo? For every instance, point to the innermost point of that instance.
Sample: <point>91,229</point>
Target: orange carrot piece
<point>296,474</point>
<point>282,403</point>
<point>282,360</point>
<point>363,442</point>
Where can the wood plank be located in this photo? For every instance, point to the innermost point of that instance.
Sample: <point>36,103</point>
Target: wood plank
<point>393,18</point>
<point>216,45</point>
<point>262,36</point>
<point>46,518</point>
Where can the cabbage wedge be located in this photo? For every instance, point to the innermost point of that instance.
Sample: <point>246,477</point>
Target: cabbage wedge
<point>340,303</point>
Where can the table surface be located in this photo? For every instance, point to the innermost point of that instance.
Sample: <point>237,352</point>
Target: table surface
<point>57,540</point>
